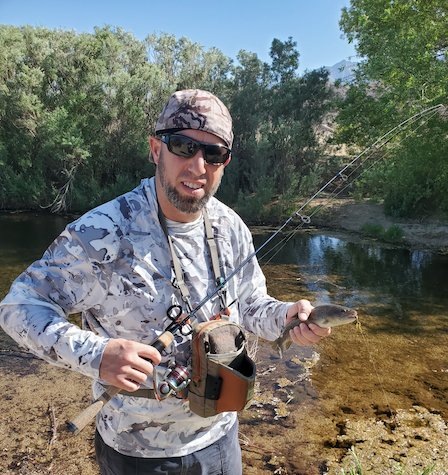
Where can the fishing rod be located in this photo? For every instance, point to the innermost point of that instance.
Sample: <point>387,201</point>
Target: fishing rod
<point>375,147</point>
<point>167,337</point>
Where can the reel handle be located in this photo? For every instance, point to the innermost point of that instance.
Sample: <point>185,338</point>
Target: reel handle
<point>82,419</point>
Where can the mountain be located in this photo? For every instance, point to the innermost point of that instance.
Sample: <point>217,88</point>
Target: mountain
<point>342,70</point>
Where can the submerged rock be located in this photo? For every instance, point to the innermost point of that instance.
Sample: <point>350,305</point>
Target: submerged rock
<point>409,443</point>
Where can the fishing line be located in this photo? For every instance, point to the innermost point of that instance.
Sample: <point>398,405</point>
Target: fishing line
<point>378,377</point>
<point>384,140</point>
<point>393,133</point>
<point>339,189</point>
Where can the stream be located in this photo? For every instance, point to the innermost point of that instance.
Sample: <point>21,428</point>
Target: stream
<point>381,389</point>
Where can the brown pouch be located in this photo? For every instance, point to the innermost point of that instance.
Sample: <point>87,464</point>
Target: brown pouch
<point>223,375</point>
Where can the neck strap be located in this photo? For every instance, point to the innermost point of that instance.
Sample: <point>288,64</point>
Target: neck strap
<point>180,282</point>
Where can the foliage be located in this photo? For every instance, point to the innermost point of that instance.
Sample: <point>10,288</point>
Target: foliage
<point>405,43</point>
<point>404,69</point>
<point>357,470</point>
<point>393,234</point>
<point>253,206</point>
<point>275,113</point>
<point>72,113</point>
<point>76,111</point>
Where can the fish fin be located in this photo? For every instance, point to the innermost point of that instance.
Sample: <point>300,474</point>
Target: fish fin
<point>287,345</point>
<point>281,348</point>
<point>278,348</point>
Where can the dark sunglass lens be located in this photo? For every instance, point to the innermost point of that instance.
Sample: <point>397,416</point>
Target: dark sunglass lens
<point>182,146</point>
<point>216,155</point>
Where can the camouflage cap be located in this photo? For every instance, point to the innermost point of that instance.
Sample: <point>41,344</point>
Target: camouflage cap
<point>196,109</point>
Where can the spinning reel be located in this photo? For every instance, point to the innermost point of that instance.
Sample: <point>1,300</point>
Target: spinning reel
<point>174,380</point>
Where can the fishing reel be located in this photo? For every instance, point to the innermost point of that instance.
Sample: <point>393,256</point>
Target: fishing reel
<point>174,380</point>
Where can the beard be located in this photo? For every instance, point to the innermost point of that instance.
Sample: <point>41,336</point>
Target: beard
<point>185,204</point>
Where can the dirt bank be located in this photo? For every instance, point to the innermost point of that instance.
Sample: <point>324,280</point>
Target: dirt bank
<point>349,215</point>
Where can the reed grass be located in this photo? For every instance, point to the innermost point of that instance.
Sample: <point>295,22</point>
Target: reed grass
<point>357,469</point>
<point>393,234</point>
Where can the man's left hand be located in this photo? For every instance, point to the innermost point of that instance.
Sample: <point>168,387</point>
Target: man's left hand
<point>304,335</point>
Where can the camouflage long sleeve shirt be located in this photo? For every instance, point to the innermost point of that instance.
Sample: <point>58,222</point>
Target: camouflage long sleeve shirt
<point>114,265</point>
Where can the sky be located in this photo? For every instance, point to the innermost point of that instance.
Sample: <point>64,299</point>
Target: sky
<point>229,25</point>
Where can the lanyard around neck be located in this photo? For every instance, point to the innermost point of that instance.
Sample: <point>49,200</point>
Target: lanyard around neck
<point>180,282</point>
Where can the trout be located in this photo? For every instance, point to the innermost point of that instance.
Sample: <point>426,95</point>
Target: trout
<point>325,316</point>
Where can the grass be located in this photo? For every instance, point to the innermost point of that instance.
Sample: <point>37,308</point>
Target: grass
<point>393,234</point>
<point>357,469</point>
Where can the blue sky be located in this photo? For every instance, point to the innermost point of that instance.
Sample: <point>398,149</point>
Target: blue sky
<point>229,25</point>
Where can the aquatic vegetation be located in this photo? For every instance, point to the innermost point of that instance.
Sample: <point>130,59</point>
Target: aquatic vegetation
<point>357,469</point>
<point>414,443</point>
<point>281,410</point>
<point>307,363</point>
<point>278,461</point>
<point>266,399</point>
<point>263,398</point>
<point>393,234</point>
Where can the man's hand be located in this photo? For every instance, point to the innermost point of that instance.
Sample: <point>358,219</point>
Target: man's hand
<point>304,335</point>
<point>123,366</point>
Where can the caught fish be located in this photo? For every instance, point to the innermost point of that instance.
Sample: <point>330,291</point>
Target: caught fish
<point>325,316</point>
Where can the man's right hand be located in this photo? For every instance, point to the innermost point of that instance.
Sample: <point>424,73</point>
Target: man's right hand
<point>123,366</point>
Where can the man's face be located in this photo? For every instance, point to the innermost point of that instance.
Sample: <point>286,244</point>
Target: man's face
<point>184,185</point>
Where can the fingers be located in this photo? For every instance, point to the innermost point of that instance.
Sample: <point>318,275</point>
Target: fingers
<point>148,353</point>
<point>302,308</point>
<point>130,381</point>
<point>304,335</point>
<point>126,364</point>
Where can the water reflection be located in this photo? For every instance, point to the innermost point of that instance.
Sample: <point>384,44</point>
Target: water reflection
<point>359,273</point>
<point>25,236</point>
<point>397,364</point>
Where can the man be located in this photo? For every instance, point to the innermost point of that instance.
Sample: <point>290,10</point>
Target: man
<point>115,265</point>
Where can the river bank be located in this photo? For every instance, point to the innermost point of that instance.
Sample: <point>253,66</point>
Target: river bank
<point>346,214</point>
<point>350,216</point>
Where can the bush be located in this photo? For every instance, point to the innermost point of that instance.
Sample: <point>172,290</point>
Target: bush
<point>393,234</point>
<point>251,207</point>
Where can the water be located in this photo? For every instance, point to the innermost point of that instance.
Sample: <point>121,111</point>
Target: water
<point>402,290</point>
<point>358,272</point>
<point>23,239</point>
<point>397,366</point>
<point>308,402</point>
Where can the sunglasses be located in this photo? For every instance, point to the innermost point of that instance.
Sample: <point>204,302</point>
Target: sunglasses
<point>186,147</point>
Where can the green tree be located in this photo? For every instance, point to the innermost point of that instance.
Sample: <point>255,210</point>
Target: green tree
<point>403,46</point>
<point>285,60</point>
<point>76,112</point>
<point>72,106</point>
<point>275,113</point>
<point>185,64</point>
